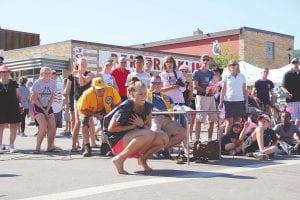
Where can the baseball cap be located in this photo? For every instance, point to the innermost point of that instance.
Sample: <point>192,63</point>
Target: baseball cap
<point>98,83</point>
<point>263,116</point>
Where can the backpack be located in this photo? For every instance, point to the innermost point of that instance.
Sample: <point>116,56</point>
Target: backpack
<point>206,151</point>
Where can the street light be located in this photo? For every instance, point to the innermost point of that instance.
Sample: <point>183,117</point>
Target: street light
<point>290,52</point>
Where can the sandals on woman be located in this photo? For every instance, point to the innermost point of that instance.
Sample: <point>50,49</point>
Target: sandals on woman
<point>55,150</point>
<point>37,151</point>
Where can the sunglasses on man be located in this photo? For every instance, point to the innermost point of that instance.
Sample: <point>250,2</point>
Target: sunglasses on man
<point>155,83</point>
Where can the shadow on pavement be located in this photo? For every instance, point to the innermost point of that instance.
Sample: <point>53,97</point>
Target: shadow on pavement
<point>189,174</point>
<point>8,175</point>
<point>240,161</point>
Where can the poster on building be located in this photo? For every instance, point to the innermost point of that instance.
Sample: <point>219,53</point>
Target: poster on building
<point>79,52</point>
<point>157,61</point>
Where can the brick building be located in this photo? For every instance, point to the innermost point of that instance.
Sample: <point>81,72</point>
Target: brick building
<point>258,47</point>
<point>61,56</point>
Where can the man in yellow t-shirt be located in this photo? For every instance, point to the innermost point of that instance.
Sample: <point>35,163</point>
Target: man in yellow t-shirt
<point>96,101</point>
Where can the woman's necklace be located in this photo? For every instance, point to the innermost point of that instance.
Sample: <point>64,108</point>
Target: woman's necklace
<point>5,86</point>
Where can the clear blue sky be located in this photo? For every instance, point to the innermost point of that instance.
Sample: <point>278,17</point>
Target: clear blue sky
<point>139,21</point>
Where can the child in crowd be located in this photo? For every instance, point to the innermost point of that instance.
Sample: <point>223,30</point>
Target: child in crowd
<point>231,143</point>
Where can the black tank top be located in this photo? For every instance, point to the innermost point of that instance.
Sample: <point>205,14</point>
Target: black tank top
<point>78,90</point>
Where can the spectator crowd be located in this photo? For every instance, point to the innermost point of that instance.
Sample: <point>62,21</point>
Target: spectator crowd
<point>122,102</point>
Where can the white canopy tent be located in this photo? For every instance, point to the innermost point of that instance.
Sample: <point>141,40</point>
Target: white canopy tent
<point>276,75</point>
<point>251,72</point>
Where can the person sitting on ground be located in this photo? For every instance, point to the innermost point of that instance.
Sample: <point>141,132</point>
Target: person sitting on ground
<point>96,101</point>
<point>262,142</point>
<point>289,134</point>
<point>163,124</point>
<point>231,143</point>
<point>128,129</point>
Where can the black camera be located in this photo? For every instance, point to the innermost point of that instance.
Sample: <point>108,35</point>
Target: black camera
<point>180,82</point>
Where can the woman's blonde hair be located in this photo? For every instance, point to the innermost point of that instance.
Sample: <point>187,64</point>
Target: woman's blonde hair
<point>134,85</point>
<point>43,69</point>
<point>80,59</point>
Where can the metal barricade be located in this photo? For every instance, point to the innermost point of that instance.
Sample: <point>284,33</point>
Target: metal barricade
<point>187,115</point>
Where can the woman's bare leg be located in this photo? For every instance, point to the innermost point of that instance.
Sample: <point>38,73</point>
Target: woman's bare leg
<point>40,118</point>
<point>133,141</point>
<point>159,142</point>
<point>51,132</point>
<point>13,133</point>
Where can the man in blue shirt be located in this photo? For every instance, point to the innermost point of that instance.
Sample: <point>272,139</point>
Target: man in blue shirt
<point>204,99</point>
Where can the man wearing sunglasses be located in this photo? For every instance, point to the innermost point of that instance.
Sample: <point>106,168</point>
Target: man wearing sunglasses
<point>204,100</point>
<point>163,124</point>
<point>291,87</point>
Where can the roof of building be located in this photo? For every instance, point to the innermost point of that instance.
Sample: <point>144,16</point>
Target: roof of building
<point>206,36</point>
<point>103,45</point>
<point>7,30</point>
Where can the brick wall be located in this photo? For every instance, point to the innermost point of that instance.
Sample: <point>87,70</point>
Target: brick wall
<point>253,48</point>
<point>62,49</point>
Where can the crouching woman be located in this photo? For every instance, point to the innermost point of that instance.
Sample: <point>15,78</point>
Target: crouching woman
<point>127,128</point>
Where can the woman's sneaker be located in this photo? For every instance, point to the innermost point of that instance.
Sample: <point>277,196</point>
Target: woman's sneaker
<point>2,148</point>
<point>260,156</point>
<point>12,149</point>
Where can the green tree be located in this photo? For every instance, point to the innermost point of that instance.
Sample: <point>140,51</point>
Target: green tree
<point>222,60</point>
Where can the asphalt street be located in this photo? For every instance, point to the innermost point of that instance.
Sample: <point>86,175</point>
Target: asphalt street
<point>65,175</point>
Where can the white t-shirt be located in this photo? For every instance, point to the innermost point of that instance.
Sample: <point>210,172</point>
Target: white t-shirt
<point>108,79</point>
<point>144,77</point>
<point>168,79</point>
<point>57,101</point>
<point>234,87</point>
